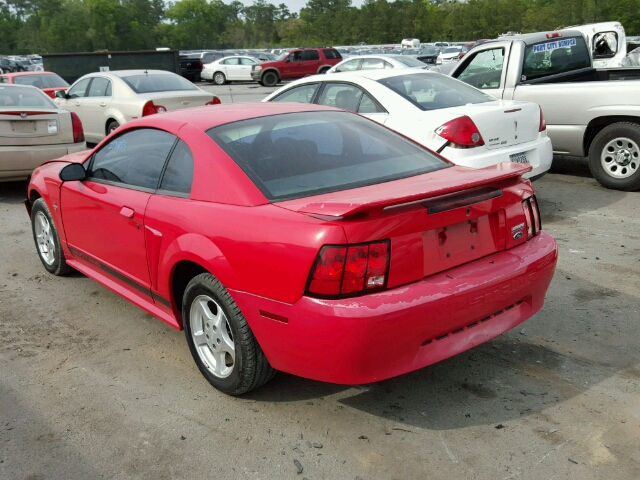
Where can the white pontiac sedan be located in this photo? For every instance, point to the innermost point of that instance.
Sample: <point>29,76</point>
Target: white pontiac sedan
<point>225,70</point>
<point>377,62</point>
<point>106,100</point>
<point>463,124</point>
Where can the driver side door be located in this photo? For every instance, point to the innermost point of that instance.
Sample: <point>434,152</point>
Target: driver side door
<point>103,215</point>
<point>76,94</point>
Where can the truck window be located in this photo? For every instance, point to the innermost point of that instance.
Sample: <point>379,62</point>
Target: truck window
<point>555,56</point>
<point>485,69</point>
<point>605,45</point>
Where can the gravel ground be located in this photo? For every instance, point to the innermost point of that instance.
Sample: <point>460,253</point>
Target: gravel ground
<point>93,387</point>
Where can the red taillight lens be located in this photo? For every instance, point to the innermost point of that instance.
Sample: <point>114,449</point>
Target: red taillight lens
<point>554,35</point>
<point>150,108</point>
<point>201,64</point>
<point>462,132</point>
<point>348,270</point>
<point>532,216</point>
<point>543,122</point>
<point>215,101</point>
<point>78,131</point>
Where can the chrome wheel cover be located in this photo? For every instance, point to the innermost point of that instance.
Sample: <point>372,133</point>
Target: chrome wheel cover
<point>44,237</point>
<point>620,157</point>
<point>218,79</point>
<point>212,337</point>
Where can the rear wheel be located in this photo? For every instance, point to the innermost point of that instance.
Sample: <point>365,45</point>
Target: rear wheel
<point>614,156</point>
<point>219,78</point>
<point>47,240</point>
<point>270,79</point>
<point>323,71</point>
<point>221,342</point>
<point>111,126</point>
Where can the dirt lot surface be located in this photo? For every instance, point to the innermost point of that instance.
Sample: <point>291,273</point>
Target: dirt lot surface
<point>93,387</point>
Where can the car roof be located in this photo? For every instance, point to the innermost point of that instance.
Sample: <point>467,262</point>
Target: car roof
<point>126,73</point>
<point>531,38</point>
<point>210,116</point>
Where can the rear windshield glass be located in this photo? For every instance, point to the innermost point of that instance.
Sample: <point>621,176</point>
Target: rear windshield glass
<point>40,81</point>
<point>555,56</point>
<point>12,97</point>
<point>409,61</point>
<point>297,155</point>
<point>430,91</point>
<point>161,82</point>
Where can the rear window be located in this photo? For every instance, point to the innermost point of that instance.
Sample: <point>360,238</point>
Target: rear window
<point>161,82</point>
<point>297,155</point>
<point>12,97</point>
<point>409,61</point>
<point>553,57</point>
<point>40,81</point>
<point>429,91</point>
<point>330,53</point>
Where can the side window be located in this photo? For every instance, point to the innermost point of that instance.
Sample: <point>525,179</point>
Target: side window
<point>372,64</point>
<point>341,95</point>
<point>247,61</point>
<point>605,45</point>
<point>178,175</point>
<point>367,105</point>
<point>233,61</point>
<point>99,87</point>
<point>4,80</point>
<point>301,94</point>
<point>134,158</point>
<point>310,55</point>
<point>295,57</point>
<point>485,69</point>
<point>348,66</point>
<point>79,89</point>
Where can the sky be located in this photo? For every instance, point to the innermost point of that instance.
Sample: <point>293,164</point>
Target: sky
<point>294,5</point>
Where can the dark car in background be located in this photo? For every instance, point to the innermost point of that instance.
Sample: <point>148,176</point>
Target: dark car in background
<point>191,64</point>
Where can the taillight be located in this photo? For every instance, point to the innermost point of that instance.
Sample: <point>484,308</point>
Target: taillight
<point>200,64</point>
<point>347,270</point>
<point>554,35</point>
<point>543,122</point>
<point>150,108</point>
<point>532,216</point>
<point>78,131</point>
<point>215,101</point>
<point>461,132</point>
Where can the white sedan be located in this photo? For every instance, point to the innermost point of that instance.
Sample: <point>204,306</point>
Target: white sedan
<point>225,70</point>
<point>463,124</point>
<point>377,62</point>
<point>106,100</point>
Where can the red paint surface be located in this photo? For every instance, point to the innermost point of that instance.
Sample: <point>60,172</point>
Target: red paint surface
<point>448,270</point>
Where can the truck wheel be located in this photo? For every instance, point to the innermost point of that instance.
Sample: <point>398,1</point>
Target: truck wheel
<point>614,157</point>
<point>270,79</point>
<point>219,78</point>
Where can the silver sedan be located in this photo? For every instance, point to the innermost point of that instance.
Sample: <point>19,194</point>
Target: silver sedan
<point>106,100</point>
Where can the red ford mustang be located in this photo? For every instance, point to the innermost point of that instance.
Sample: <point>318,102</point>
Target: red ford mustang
<point>297,238</point>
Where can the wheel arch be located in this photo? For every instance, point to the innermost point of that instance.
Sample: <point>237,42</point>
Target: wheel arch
<point>598,124</point>
<point>110,118</point>
<point>271,69</point>
<point>323,69</point>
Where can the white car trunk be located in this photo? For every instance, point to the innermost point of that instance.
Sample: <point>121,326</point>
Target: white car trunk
<point>502,125</point>
<point>33,126</point>
<point>177,100</point>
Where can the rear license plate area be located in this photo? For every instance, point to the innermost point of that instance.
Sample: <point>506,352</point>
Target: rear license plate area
<point>25,126</point>
<point>519,158</point>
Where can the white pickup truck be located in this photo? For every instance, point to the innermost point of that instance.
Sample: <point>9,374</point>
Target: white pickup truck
<point>593,112</point>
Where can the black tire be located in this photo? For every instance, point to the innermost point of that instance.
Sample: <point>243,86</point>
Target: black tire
<point>111,126</point>
<point>219,78</point>
<point>58,265</point>
<point>323,71</point>
<point>270,79</point>
<point>251,368</point>
<point>616,141</point>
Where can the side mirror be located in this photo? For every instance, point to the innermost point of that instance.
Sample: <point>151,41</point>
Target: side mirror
<point>72,172</point>
<point>287,60</point>
<point>61,94</point>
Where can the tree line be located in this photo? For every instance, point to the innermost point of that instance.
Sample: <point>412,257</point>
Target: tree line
<point>54,26</point>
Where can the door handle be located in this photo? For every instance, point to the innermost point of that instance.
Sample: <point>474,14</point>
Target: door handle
<point>126,212</point>
<point>77,104</point>
<point>103,104</point>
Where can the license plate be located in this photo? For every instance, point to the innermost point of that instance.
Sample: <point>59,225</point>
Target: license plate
<point>519,158</point>
<point>24,126</point>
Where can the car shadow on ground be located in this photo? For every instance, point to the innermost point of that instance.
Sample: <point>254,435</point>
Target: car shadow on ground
<point>577,166</point>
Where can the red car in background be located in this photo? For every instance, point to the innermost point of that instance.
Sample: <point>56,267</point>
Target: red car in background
<point>48,82</point>
<point>296,237</point>
<point>295,64</point>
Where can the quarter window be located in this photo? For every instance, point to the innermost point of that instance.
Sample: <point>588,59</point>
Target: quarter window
<point>367,105</point>
<point>178,175</point>
<point>134,158</point>
<point>301,94</point>
<point>79,89</point>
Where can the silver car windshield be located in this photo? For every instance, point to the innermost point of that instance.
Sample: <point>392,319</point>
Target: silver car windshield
<point>159,82</point>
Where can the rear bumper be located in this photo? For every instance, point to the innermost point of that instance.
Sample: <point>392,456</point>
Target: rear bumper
<point>539,153</point>
<point>379,336</point>
<point>17,162</point>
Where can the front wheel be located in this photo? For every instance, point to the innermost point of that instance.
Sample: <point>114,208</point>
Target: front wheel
<point>270,79</point>
<point>221,342</point>
<point>219,78</point>
<point>47,240</point>
<point>614,157</point>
